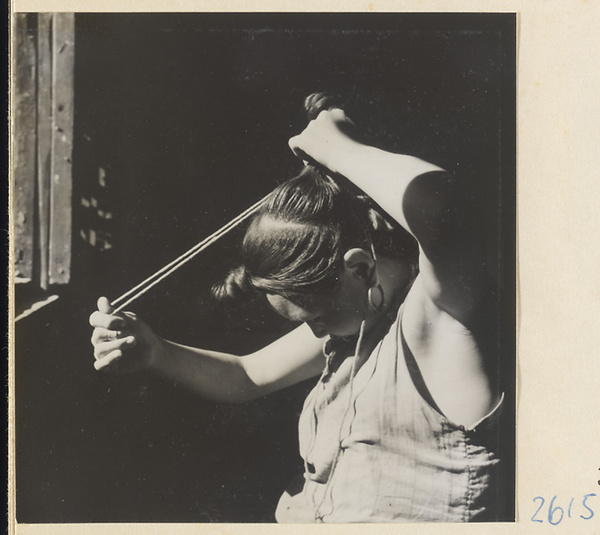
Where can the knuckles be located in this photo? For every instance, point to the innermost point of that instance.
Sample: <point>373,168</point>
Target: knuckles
<point>109,362</point>
<point>106,321</point>
<point>104,348</point>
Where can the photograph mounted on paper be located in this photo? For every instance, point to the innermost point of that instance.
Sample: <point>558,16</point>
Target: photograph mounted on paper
<point>290,239</point>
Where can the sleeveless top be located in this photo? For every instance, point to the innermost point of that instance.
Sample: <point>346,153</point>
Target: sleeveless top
<point>377,449</point>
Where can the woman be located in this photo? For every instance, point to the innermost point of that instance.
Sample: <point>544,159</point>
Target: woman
<point>403,422</point>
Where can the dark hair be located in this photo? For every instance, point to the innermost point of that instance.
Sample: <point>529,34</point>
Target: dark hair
<point>295,245</point>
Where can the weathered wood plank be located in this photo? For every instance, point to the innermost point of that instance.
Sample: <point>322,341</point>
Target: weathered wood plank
<point>44,133</point>
<point>24,148</point>
<point>61,192</point>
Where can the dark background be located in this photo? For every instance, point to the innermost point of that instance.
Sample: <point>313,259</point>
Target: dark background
<point>189,116</point>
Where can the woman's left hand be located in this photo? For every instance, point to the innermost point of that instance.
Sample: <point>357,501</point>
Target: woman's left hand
<point>325,140</point>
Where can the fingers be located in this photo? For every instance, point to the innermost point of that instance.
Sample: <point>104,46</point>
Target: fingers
<point>106,321</point>
<point>104,305</point>
<point>111,337</point>
<point>109,362</point>
<point>335,119</point>
<point>322,137</point>
<point>100,335</point>
<point>334,114</point>
<point>102,349</point>
<point>103,317</point>
<point>294,144</point>
<point>105,335</point>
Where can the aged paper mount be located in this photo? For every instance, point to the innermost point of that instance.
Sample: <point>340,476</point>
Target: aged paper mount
<point>558,255</point>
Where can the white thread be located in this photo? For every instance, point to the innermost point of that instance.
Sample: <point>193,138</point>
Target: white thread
<point>164,272</point>
<point>328,491</point>
<point>328,487</point>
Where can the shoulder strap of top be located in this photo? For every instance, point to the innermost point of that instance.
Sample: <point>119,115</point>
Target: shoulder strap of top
<point>415,374</point>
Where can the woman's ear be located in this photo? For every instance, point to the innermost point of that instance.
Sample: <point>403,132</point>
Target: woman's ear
<point>359,263</point>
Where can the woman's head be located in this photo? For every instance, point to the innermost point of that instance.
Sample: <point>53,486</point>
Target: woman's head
<point>295,246</point>
<point>311,248</point>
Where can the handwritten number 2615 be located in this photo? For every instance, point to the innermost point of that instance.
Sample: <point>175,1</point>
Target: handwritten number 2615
<point>557,513</point>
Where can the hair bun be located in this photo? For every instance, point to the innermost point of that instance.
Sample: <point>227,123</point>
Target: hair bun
<point>235,287</point>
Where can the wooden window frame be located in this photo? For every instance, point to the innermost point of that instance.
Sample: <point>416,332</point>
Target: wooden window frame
<point>41,148</point>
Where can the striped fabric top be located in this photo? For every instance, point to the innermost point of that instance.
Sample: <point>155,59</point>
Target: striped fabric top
<point>375,450</point>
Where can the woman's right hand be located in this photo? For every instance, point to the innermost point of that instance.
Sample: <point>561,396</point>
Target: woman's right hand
<point>326,140</point>
<point>122,342</point>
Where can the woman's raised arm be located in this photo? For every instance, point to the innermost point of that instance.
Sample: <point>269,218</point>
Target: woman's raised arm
<point>419,196</point>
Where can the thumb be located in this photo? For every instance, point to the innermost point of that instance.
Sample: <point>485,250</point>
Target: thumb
<point>294,145</point>
<point>104,305</point>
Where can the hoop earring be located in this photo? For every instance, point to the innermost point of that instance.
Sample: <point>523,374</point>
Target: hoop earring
<point>376,305</point>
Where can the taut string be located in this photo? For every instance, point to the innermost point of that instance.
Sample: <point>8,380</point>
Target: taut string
<point>131,295</point>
